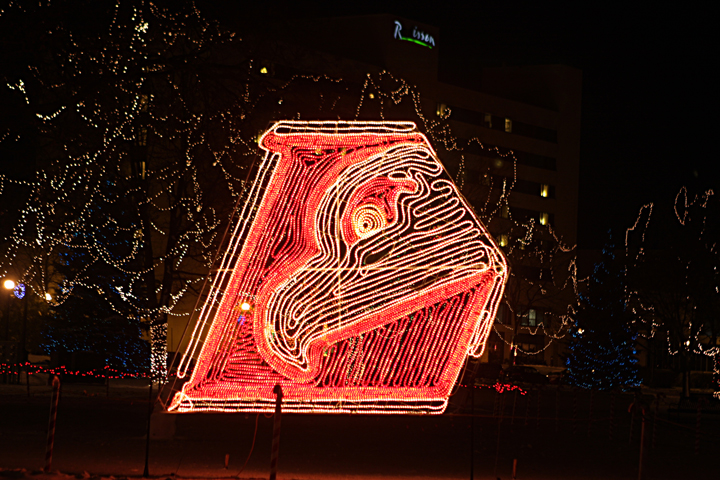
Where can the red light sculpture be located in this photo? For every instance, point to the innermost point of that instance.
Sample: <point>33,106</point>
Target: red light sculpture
<point>358,279</point>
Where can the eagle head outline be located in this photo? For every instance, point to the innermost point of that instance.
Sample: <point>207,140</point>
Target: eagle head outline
<point>368,278</point>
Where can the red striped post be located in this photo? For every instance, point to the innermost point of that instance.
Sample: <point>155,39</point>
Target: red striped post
<point>557,390</point>
<point>656,404</point>
<point>527,408</point>
<point>146,470</point>
<point>642,441</point>
<point>51,424</point>
<point>631,409</point>
<point>612,415</point>
<point>276,432</point>
<point>590,415</point>
<point>697,427</point>
<point>575,409</point>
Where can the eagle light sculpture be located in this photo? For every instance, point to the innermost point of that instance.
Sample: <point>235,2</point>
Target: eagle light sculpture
<point>358,279</point>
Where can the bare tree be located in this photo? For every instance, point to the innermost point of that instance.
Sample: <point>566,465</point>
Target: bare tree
<point>674,277</point>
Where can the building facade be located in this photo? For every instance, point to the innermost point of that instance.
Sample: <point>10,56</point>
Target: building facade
<point>518,131</point>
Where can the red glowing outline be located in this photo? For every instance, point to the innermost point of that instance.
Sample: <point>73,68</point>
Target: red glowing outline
<point>240,362</point>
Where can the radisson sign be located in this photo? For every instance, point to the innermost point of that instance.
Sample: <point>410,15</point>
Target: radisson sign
<point>418,36</point>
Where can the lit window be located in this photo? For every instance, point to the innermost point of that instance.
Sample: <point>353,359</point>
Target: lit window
<point>504,240</point>
<point>505,211</point>
<point>441,109</point>
<point>508,125</point>
<point>544,190</point>
<point>544,218</point>
<point>264,70</point>
<point>532,318</point>
<point>141,137</point>
<point>488,120</point>
<point>498,163</point>
<point>143,103</point>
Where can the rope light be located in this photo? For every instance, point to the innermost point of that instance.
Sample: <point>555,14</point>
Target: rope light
<point>363,277</point>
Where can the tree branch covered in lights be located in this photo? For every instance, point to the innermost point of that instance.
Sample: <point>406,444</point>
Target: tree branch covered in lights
<point>541,293</point>
<point>674,278</point>
<point>542,289</point>
<point>141,156</point>
<point>603,341</point>
<point>135,125</point>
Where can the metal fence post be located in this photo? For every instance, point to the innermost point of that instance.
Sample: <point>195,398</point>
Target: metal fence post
<point>275,452</point>
<point>51,424</point>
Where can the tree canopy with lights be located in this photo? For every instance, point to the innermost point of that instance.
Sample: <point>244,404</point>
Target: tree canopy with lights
<point>134,135</point>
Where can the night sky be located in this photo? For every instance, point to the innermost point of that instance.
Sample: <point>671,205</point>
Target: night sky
<point>646,123</point>
<point>647,126</point>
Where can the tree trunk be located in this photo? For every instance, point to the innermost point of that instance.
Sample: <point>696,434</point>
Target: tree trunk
<point>158,325</point>
<point>716,374</point>
<point>685,375</point>
<point>158,348</point>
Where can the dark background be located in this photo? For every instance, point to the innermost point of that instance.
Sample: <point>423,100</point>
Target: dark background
<point>648,85</point>
<point>647,94</point>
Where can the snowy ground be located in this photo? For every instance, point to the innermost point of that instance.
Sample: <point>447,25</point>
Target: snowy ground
<point>553,434</point>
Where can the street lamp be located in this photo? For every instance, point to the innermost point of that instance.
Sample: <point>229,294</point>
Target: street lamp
<point>9,286</point>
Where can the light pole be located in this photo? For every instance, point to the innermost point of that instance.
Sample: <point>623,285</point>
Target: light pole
<point>21,294</point>
<point>9,285</point>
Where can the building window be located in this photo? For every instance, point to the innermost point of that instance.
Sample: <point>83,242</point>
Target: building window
<point>441,109</point>
<point>544,190</point>
<point>508,125</point>
<point>141,136</point>
<point>143,101</point>
<point>505,211</point>
<point>488,120</point>
<point>532,318</point>
<point>504,240</point>
<point>544,218</point>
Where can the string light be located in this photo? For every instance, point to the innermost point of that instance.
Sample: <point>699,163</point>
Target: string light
<point>146,141</point>
<point>674,293</point>
<point>19,290</point>
<point>602,351</point>
<point>372,279</point>
<point>100,197</point>
<point>33,369</point>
